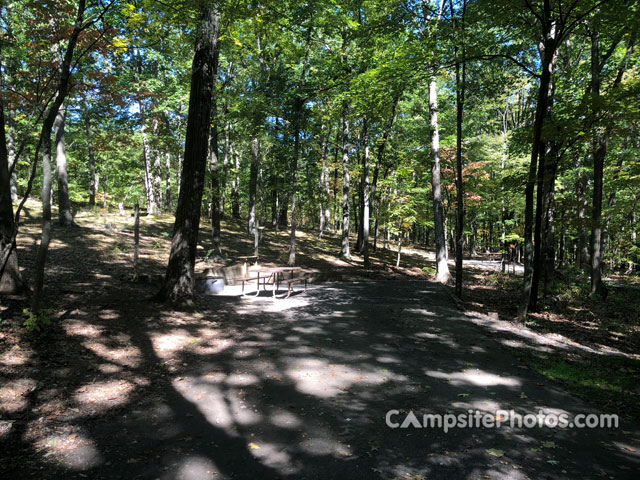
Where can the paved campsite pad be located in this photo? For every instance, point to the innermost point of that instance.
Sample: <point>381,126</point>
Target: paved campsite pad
<point>294,388</point>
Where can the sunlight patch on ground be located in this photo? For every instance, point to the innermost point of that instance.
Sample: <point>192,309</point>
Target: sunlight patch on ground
<point>475,377</point>
<point>15,356</point>
<point>126,357</point>
<point>166,345</point>
<point>81,328</point>
<point>273,455</point>
<point>101,396</point>
<point>323,379</point>
<point>194,468</point>
<point>13,394</point>
<point>208,399</point>
<point>325,446</point>
<point>285,419</point>
<point>74,451</point>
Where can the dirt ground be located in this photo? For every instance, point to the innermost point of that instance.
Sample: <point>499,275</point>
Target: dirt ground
<point>119,387</point>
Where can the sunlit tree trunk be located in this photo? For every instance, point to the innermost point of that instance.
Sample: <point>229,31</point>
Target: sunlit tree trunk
<point>442,268</point>
<point>44,144</point>
<point>344,250</point>
<point>92,159</point>
<point>253,184</point>
<point>64,205</point>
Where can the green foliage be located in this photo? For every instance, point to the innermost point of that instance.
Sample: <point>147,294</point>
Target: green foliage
<point>37,322</point>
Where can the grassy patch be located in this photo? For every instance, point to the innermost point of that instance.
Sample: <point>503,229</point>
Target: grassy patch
<point>611,382</point>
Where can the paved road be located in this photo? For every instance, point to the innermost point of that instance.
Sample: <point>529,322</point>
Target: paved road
<point>300,389</point>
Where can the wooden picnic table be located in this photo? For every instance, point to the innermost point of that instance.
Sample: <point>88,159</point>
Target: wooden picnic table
<point>274,276</point>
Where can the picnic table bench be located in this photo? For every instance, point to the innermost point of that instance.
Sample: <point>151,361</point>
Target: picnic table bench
<point>274,276</point>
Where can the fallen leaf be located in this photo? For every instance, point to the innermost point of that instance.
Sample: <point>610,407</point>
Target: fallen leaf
<point>494,452</point>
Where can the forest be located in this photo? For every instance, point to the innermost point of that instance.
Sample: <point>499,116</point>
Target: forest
<point>485,150</point>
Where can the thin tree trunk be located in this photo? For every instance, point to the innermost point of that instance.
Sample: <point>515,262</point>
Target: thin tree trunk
<point>344,250</point>
<point>442,268</point>
<point>167,187</point>
<point>294,184</point>
<point>152,205</point>
<point>366,203</point>
<point>44,144</point>
<point>214,152</point>
<point>253,184</point>
<point>235,184</point>
<point>460,93</point>
<point>11,147</point>
<point>179,279</point>
<point>65,218</point>
<point>583,257</point>
<point>325,198</point>
<point>92,159</point>
<point>361,187</point>
<point>548,54</point>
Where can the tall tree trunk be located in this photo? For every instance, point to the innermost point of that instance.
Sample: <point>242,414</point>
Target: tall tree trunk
<point>253,184</point>
<point>179,279</point>
<point>583,257</point>
<point>344,249</point>
<point>167,182</point>
<point>599,149</point>
<point>366,203</point>
<point>152,201</point>
<point>460,93</point>
<point>548,54</point>
<point>325,196</point>
<point>548,212</point>
<point>92,159</point>
<point>299,103</point>
<point>235,183</point>
<point>10,278</point>
<point>65,218</point>
<point>442,268</point>
<point>44,145</point>
<point>361,187</point>
<point>216,173</point>
<point>216,204</point>
<point>11,147</point>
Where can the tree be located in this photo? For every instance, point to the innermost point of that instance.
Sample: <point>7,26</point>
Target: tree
<point>179,280</point>
<point>10,277</point>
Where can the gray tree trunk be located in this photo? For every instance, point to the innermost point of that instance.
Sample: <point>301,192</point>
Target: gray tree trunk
<point>65,218</point>
<point>253,184</point>
<point>344,250</point>
<point>93,186</point>
<point>442,268</point>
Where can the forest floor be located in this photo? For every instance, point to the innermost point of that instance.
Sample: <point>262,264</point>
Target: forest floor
<point>119,387</point>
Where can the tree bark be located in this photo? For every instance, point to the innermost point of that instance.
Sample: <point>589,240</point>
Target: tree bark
<point>366,202</point>
<point>44,144</point>
<point>299,103</point>
<point>92,159</point>
<point>65,218</point>
<point>460,94</point>
<point>10,278</point>
<point>253,184</point>
<point>344,250</point>
<point>442,268</point>
<point>364,176</point>
<point>178,283</point>
<point>583,257</point>
<point>549,49</point>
